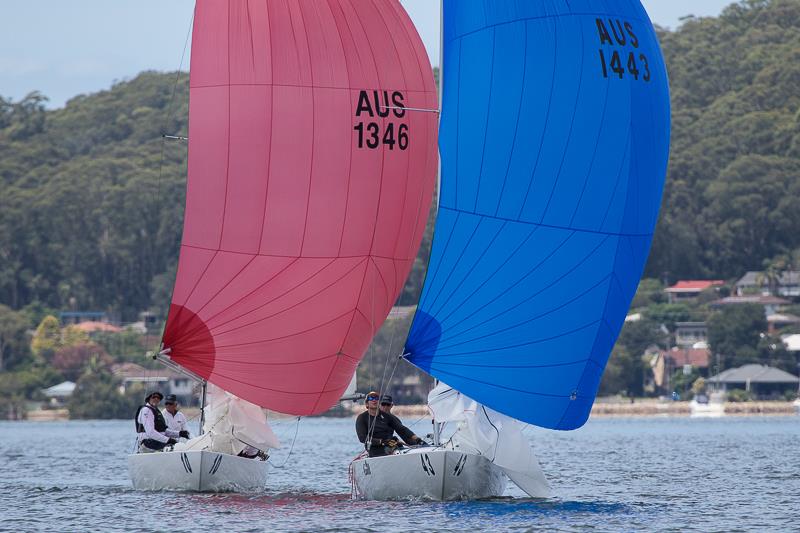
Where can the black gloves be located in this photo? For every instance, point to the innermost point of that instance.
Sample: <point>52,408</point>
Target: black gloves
<point>184,434</point>
<point>171,441</point>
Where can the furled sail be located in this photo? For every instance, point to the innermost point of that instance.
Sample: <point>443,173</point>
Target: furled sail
<point>309,185</point>
<point>554,144</point>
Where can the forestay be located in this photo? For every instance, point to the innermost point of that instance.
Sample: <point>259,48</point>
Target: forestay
<point>554,143</point>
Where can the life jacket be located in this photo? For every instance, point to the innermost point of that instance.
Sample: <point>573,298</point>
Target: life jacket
<point>160,424</point>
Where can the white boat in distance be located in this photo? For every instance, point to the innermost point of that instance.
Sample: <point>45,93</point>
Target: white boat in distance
<point>712,406</point>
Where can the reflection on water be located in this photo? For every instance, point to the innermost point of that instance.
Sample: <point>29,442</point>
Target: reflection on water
<point>629,475</point>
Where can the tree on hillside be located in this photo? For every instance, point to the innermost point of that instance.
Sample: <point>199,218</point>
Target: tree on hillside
<point>14,341</point>
<point>97,396</point>
<point>624,373</point>
<point>72,361</point>
<point>46,339</point>
<point>23,119</point>
<point>668,314</point>
<point>728,200</point>
<point>753,210</point>
<point>734,333</point>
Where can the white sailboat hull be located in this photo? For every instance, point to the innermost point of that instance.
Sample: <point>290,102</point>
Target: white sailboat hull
<point>200,471</point>
<point>706,410</point>
<point>427,473</point>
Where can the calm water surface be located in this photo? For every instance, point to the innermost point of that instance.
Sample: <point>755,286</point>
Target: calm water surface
<point>733,474</point>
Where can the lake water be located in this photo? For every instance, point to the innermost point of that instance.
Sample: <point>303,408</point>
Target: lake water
<point>731,474</point>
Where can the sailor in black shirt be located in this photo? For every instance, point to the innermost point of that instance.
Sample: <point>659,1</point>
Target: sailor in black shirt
<point>380,427</point>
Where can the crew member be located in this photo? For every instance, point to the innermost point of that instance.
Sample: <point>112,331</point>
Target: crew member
<point>386,403</point>
<point>176,421</point>
<point>376,429</point>
<point>151,428</point>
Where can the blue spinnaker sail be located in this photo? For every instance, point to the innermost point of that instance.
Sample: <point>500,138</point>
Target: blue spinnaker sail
<point>554,142</point>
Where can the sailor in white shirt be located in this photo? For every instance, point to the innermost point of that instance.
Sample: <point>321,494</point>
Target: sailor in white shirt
<point>152,431</point>
<point>176,421</point>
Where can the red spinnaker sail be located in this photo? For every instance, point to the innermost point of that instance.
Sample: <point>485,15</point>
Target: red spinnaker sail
<point>308,191</point>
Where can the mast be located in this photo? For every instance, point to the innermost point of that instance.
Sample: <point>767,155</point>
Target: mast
<point>437,427</point>
<point>163,358</point>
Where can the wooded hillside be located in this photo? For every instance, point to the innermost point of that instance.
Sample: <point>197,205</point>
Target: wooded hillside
<point>90,216</point>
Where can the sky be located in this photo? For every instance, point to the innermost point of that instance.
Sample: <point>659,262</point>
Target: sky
<point>66,48</point>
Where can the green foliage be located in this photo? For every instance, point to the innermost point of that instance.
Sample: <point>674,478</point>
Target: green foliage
<point>73,360</point>
<point>97,396</point>
<point>684,383</point>
<point>637,336</point>
<point>88,216</point>
<point>772,352</point>
<point>668,314</point>
<point>734,333</point>
<point>699,386</point>
<point>28,383</point>
<point>650,291</point>
<point>14,341</point>
<point>624,373</point>
<point>46,339</point>
<point>733,173</point>
<point>127,345</point>
<point>738,395</point>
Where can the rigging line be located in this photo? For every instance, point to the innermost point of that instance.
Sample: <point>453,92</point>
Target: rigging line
<point>496,445</point>
<point>167,120</point>
<point>380,393</point>
<point>383,376</point>
<point>380,387</point>
<point>291,448</point>
<point>178,75</point>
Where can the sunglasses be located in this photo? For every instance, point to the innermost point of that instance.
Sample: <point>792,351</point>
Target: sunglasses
<point>371,398</point>
<point>386,404</point>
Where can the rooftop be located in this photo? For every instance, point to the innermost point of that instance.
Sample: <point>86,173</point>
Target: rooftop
<point>754,374</point>
<point>758,279</point>
<point>62,390</point>
<point>134,372</point>
<point>92,326</point>
<point>792,342</point>
<point>694,285</point>
<point>783,318</point>
<point>751,299</point>
<point>696,357</point>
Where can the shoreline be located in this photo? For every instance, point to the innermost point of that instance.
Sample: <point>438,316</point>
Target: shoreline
<point>644,408</point>
<point>637,409</point>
